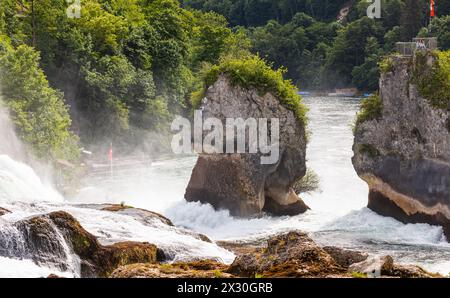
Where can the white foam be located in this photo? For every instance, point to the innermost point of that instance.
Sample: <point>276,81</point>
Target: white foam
<point>14,268</point>
<point>19,183</point>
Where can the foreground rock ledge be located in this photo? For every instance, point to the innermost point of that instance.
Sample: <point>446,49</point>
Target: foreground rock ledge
<point>239,182</point>
<point>292,254</point>
<point>42,235</point>
<point>404,156</point>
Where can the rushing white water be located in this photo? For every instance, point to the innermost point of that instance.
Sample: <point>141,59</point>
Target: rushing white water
<point>24,194</point>
<point>19,183</point>
<point>338,216</point>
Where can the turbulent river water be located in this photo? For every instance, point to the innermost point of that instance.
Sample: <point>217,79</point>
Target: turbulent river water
<point>338,215</point>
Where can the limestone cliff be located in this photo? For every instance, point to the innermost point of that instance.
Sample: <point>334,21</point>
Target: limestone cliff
<point>402,144</point>
<point>239,182</point>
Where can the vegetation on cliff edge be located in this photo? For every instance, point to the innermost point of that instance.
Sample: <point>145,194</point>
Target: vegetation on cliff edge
<point>254,72</point>
<point>371,109</point>
<point>433,82</point>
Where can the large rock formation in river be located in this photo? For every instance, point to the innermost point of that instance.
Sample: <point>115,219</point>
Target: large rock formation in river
<point>239,182</point>
<point>404,152</point>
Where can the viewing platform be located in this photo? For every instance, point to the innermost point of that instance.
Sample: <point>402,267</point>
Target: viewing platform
<point>418,44</point>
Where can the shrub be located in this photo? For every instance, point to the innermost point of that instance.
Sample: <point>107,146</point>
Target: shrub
<point>253,72</point>
<point>433,82</point>
<point>386,65</point>
<point>308,183</point>
<point>371,109</point>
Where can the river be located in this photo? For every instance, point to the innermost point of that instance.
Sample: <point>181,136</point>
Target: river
<point>338,215</point>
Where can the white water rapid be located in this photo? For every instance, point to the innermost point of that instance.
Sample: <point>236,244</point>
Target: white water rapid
<point>338,216</point>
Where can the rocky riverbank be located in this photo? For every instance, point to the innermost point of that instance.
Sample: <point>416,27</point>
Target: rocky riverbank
<point>292,255</point>
<point>57,237</point>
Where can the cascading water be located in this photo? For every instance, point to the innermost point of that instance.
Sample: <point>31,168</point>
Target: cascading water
<point>338,216</point>
<point>24,194</point>
<point>20,189</point>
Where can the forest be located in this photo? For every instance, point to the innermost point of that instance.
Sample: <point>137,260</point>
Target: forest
<point>124,68</point>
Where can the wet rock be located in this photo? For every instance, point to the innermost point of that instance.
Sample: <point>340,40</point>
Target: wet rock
<point>404,155</point>
<point>374,266</point>
<point>200,269</point>
<point>41,242</point>
<point>144,215</point>
<point>148,218</point>
<point>108,258</point>
<point>240,183</point>
<point>293,254</point>
<point>4,211</point>
<point>344,257</point>
<point>50,238</point>
<point>411,271</point>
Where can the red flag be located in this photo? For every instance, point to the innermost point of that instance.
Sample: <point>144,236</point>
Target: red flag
<point>110,153</point>
<point>432,11</point>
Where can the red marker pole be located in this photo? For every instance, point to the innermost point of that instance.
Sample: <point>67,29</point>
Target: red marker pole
<point>432,10</point>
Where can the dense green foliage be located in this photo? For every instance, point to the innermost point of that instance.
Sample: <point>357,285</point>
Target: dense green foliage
<point>125,66</point>
<point>433,81</point>
<point>440,28</point>
<point>252,13</point>
<point>371,109</point>
<point>253,72</point>
<point>322,52</point>
<point>38,111</point>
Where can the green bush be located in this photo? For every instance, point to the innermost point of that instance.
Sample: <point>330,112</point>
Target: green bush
<point>253,72</point>
<point>433,82</point>
<point>386,65</point>
<point>371,109</point>
<point>308,183</point>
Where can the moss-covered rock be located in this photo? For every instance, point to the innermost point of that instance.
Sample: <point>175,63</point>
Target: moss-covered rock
<point>371,109</point>
<point>293,254</point>
<point>252,72</point>
<point>244,183</point>
<point>432,77</point>
<point>199,269</point>
<point>42,235</point>
<point>108,258</point>
<point>401,141</point>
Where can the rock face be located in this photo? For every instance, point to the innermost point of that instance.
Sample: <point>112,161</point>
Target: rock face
<point>239,182</point>
<point>3,211</point>
<point>345,258</point>
<point>291,254</point>
<point>404,156</point>
<point>287,255</point>
<point>374,266</point>
<point>51,238</point>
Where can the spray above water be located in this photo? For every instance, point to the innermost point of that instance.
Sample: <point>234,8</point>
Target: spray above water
<point>10,144</point>
<point>18,181</point>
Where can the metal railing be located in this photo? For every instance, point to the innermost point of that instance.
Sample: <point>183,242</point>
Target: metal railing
<point>418,44</point>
